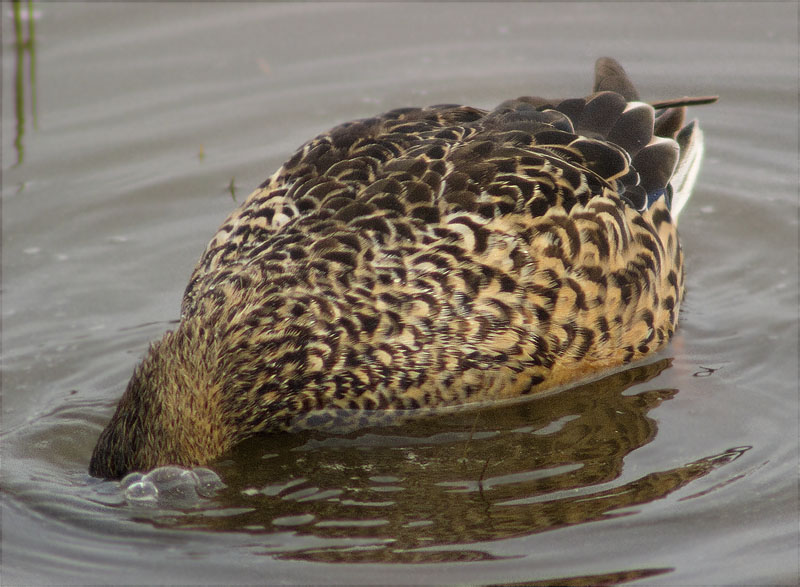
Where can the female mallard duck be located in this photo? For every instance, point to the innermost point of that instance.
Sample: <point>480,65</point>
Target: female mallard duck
<point>423,258</point>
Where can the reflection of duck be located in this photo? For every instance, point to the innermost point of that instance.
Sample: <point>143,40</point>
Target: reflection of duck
<point>454,489</point>
<point>423,258</point>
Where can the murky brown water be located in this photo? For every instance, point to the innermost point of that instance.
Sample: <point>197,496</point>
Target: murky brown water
<point>679,471</point>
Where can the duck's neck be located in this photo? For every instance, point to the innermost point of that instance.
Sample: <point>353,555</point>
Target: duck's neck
<point>179,407</point>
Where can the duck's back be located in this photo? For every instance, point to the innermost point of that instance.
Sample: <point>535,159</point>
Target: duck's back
<point>448,254</point>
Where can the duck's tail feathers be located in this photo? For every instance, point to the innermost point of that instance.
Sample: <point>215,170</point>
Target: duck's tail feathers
<point>645,150</point>
<point>674,150</point>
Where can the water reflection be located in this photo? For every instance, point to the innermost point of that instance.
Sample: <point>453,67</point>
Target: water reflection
<point>22,47</point>
<point>615,578</point>
<point>433,489</point>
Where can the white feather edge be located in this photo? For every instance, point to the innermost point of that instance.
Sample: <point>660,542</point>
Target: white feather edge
<point>690,140</point>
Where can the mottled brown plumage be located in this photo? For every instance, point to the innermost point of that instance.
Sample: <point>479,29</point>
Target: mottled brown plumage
<point>427,257</point>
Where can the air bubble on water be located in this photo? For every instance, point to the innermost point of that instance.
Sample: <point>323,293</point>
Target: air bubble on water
<point>208,482</point>
<point>130,479</point>
<point>141,491</point>
<point>171,486</point>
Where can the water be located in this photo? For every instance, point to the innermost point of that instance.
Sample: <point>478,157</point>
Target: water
<point>122,148</point>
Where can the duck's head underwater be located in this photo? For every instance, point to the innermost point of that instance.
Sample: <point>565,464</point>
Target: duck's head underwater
<point>421,259</point>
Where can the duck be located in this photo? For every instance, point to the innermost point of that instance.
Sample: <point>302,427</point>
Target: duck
<point>422,259</point>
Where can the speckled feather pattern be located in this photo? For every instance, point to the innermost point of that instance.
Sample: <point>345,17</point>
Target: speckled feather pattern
<point>426,257</point>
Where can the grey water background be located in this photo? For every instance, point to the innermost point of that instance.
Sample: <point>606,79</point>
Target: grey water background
<point>127,128</point>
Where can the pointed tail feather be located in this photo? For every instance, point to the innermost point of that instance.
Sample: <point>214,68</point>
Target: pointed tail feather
<point>610,76</point>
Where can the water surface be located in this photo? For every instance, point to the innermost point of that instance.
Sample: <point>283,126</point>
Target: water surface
<point>128,131</point>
